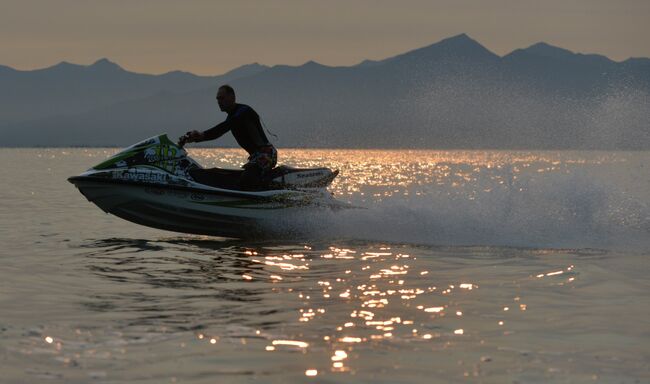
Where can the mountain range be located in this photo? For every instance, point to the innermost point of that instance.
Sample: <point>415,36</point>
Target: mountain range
<point>451,94</point>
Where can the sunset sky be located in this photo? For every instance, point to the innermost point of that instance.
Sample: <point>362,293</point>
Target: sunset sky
<point>211,37</point>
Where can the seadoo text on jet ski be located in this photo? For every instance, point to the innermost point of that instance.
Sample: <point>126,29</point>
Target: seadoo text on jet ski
<point>150,183</point>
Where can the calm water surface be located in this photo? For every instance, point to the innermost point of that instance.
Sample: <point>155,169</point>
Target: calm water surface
<point>491,267</point>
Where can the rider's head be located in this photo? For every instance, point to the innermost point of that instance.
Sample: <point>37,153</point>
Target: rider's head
<point>226,98</point>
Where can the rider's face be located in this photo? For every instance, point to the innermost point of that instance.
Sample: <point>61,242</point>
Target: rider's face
<point>225,100</point>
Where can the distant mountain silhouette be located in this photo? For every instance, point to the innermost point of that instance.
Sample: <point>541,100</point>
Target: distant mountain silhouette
<point>68,89</point>
<point>458,48</point>
<point>451,94</point>
<point>546,50</point>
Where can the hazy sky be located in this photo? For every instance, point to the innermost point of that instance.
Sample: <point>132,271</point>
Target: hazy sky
<point>210,37</point>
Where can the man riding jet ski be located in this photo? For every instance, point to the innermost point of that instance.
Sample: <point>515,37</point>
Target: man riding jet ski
<point>245,125</point>
<point>155,183</point>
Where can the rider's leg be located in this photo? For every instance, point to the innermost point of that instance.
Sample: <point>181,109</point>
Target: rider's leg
<point>252,177</point>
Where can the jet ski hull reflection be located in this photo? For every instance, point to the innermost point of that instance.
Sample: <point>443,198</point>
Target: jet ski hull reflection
<point>155,197</point>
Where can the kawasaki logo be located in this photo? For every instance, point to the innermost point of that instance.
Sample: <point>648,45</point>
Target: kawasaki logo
<point>310,174</point>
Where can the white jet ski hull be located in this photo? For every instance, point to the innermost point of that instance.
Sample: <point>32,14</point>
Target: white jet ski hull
<point>151,195</point>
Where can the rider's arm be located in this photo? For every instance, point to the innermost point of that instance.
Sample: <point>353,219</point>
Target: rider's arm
<point>212,133</point>
<point>218,130</point>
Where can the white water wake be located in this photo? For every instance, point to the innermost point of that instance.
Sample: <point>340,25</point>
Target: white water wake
<point>572,209</point>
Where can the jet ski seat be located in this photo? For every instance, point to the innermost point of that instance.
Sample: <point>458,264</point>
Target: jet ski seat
<point>278,178</point>
<point>217,177</point>
<point>231,178</point>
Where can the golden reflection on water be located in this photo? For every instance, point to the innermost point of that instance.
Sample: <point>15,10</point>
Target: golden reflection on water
<point>389,297</point>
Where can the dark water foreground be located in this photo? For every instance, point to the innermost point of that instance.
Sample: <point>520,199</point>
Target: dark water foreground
<point>466,267</point>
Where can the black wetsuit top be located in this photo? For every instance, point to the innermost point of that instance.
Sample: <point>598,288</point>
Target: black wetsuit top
<point>245,125</point>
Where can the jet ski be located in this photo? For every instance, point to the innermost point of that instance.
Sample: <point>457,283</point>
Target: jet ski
<point>155,183</point>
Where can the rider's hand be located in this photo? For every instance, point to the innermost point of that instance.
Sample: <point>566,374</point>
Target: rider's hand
<point>190,137</point>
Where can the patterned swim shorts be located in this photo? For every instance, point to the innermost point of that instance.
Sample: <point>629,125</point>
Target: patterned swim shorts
<point>266,158</point>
